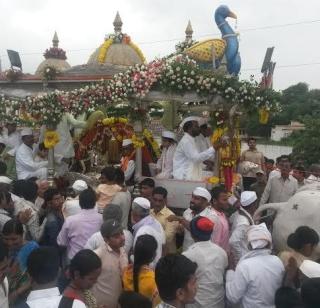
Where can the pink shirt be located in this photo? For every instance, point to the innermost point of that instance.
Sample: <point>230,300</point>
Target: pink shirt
<point>77,229</point>
<point>220,234</point>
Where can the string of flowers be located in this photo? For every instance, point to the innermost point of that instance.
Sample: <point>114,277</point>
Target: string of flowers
<point>154,144</point>
<point>178,74</point>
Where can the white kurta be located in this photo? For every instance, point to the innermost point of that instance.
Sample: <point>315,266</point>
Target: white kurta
<point>203,143</point>
<point>238,239</point>
<point>65,146</point>
<point>27,167</point>
<point>13,140</point>
<point>187,159</point>
<point>212,262</point>
<point>165,162</point>
<point>256,279</point>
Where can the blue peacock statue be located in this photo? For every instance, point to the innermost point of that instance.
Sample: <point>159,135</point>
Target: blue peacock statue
<point>206,51</point>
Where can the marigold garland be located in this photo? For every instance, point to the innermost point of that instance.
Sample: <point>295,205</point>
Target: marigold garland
<point>137,142</point>
<point>138,51</point>
<point>103,50</point>
<point>51,139</point>
<point>154,144</point>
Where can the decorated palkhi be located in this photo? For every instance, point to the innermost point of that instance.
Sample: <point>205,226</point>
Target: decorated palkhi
<point>205,71</point>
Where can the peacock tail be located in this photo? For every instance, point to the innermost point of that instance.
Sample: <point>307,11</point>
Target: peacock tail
<point>202,51</point>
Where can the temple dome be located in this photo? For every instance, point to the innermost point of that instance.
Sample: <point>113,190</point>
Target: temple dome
<point>54,57</point>
<point>117,49</point>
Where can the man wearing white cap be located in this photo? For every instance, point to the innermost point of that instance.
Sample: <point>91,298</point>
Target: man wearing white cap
<point>71,206</point>
<point>11,136</point>
<point>25,164</point>
<point>127,162</point>
<point>199,206</point>
<point>165,162</point>
<point>203,140</point>
<point>144,223</point>
<point>242,220</point>
<point>187,160</point>
<point>258,274</point>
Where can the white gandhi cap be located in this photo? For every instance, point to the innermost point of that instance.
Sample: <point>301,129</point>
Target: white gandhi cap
<point>79,185</point>
<point>188,119</point>
<point>142,202</point>
<point>26,132</point>
<point>168,134</point>
<point>247,198</point>
<point>310,269</point>
<point>126,142</point>
<point>202,192</point>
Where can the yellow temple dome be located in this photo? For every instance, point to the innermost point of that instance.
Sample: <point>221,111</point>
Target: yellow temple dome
<point>55,57</point>
<point>117,49</point>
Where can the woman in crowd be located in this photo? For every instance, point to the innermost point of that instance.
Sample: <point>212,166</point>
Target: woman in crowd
<point>302,242</point>
<point>139,277</point>
<point>84,270</point>
<point>19,251</point>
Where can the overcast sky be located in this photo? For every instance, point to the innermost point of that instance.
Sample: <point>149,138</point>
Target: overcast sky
<point>28,26</point>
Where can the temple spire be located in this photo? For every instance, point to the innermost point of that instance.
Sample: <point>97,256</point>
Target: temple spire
<point>117,23</point>
<point>55,40</point>
<point>189,31</point>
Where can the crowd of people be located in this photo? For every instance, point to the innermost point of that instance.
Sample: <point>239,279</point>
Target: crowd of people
<point>102,247</point>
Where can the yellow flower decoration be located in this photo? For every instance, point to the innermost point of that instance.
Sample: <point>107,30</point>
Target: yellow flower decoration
<point>214,180</point>
<point>138,51</point>
<point>155,147</point>
<point>263,115</point>
<point>218,133</point>
<point>103,50</point>
<point>51,139</point>
<point>137,142</point>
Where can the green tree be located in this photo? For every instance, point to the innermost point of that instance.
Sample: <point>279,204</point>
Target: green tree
<point>306,143</point>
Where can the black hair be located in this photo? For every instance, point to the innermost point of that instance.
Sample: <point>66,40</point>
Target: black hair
<point>300,168</point>
<point>109,173</point>
<point>26,189</point>
<point>269,160</point>
<point>287,297</point>
<point>278,159</point>
<point>43,265</point>
<point>130,299</point>
<point>204,126</point>
<point>251,138</point>
<point>50,193</point>
<point>5,196</point>
<point>172,273</point>
<point>3,251</point>
<point>13,226</point>
<point>160,191</point>
<point>119,176</point>
<point>187,126</point>
<point>216,191</point>
<point>3,168</point>
<point>302,236</point>
<point>148,182</point>
<point>87,199</point>
<point>310,293</point>
<point>85,261</point>
<point>144,253</point>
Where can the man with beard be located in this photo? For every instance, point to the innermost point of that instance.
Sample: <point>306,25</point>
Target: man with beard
<point>199,206</point>
<point>187,160</point>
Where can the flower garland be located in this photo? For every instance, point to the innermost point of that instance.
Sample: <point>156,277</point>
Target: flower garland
<point>178,74</point>
<point>103,50</point>
<point>137,142</point>
<point>113,120</point>
<point>55,53</point>
<point>154,144</point>
<point>51,139</point>
<point>50,73</point>
<point>138,51</point>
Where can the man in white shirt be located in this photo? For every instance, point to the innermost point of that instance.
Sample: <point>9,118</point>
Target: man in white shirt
<point>242,220</point>
<point>11,136</point>
<point>127,163</point>
<point>65,148</point>
<point>280,188</point>
<point>43,268</point>
<point>25,163</point>
<point>314,177</point>
<point>212,262</point>
<point>187,160</point>
<point>258,274</point>
<point>144,223</point>
<point>165,162</point>
<point>199,206</point>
